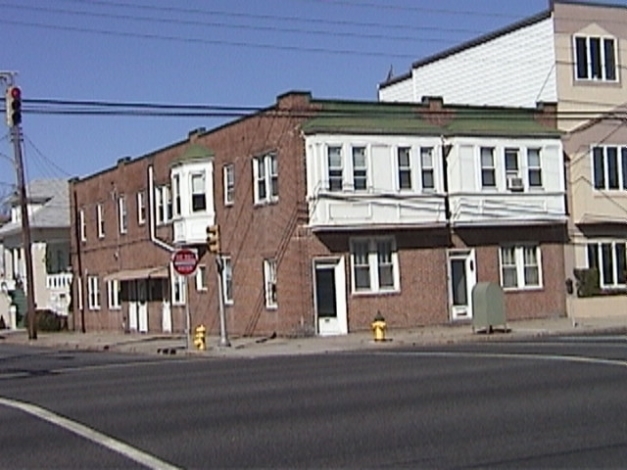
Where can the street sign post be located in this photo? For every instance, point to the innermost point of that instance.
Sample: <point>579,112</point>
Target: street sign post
<point>185,261</point>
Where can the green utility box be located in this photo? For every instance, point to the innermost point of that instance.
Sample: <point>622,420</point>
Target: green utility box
<point>488,307</point>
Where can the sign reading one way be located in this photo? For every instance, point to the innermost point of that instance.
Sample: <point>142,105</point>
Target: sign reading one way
<point>185,261</point>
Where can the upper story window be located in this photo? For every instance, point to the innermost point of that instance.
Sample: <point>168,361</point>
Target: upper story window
<point>227,280</point>
<point>83,225</point>
<point>266,174</point>
<point>609,258</point>
<point>374,265</point>
<point>426,167</point>
<point>595,58</point>
<point>360,169</point>
<point>176,195</point>
<point>488,170</point>
<point>122,214</point>
<point>336,169</point>
<point>141,208</point>
<point>512,165</point>
<point>403,160</point>
<point>229,184</point>
<point>199,192</point>
<point>609,167</point>
<point>534,168</point>
<point>163,204</point>
<point>100,221</point>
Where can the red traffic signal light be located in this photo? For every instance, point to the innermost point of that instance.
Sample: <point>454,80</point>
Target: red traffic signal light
<point>13,104</point>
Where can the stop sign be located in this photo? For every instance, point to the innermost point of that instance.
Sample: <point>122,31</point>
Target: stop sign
<point>185,261</point>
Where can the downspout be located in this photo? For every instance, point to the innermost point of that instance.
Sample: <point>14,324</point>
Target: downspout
<point>151,213</point>
<point>445,151</point>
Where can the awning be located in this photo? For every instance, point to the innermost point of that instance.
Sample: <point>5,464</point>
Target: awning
<point>131,274</point>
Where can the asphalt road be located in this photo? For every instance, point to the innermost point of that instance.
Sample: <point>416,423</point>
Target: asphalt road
<point>554,403</point>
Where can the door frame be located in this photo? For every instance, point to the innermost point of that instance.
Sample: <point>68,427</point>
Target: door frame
<point>470,256</point>
<point>142,307</point>
<point>133,306</point>
<point>338,264</point>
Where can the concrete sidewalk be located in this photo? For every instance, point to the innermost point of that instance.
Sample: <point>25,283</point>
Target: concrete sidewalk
<point>159,344</point>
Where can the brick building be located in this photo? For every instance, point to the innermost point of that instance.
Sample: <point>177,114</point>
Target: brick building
<point>329,211</point>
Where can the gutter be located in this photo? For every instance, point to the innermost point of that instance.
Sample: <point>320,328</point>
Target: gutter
<point>151,214</point>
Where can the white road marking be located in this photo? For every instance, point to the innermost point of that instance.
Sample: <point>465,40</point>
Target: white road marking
<point>90,434</point>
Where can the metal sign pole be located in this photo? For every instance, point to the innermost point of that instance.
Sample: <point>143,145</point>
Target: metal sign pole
<point>188,319</point>
<point>224,339</point>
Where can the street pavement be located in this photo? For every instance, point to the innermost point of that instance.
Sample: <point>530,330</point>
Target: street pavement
<point>176,344</point>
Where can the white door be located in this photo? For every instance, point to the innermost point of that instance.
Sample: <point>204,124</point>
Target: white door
<point>132,306</point>
<point>166,311</point>
<point>142,306</point>
<point>462,275</point>
<point>330,297</point>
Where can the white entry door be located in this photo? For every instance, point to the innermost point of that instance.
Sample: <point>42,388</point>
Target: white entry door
<point>462,276</point>
<point>142,306</point>
<point>166,311</point>
<point>132,306</point>
<point>330,296</point>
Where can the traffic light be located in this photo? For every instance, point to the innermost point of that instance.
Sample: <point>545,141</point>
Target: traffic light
<point>213,238</point>
<point>13,104</point>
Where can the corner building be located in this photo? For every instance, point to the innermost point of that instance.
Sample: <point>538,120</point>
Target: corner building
<point>329,211</point>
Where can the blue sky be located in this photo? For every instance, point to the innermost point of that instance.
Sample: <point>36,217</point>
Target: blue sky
<point>222,52</point>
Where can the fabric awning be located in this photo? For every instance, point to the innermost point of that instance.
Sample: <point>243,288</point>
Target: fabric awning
<point>132,274</point>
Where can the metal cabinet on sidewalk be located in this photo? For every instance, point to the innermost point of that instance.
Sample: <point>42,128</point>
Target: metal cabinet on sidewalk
<point>488,307</point>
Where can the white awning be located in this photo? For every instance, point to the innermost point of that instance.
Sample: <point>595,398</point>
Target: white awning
<point>132,274</point>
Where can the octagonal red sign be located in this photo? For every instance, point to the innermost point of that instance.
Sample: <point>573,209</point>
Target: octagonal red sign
<point>185,261</point>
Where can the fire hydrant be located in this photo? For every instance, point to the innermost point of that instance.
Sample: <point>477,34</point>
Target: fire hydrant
<point>378,327</point>
<point>200,337</point>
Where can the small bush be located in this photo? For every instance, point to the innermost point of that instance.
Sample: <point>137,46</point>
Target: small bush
<point>588,282</point>
<point>48,321</point>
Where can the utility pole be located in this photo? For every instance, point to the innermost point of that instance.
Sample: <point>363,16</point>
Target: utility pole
<point>13,105</point>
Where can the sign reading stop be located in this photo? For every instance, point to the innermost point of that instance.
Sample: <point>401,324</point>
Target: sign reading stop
<point>185,261</point>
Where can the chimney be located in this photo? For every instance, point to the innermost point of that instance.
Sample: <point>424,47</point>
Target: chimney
<point>546,114</point>
<point>433,103</point>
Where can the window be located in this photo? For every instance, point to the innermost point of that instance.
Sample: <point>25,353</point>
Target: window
<point>79,291</point>
<point>122,214</point>
<point>201,278</point>
<point>488,172</point>
<point>610,260</point>
<point>266,174</point>
<point>199,196</point>
<point>176,195</point>
<point>93,294</point>
<point>595,58</point>
<point>426,166</point>
<point>374,265</point>
<point>100,221</point>
<point>81,216</point>
<point>178,289</point>
<point>520,267</point>
<point>163,204</point>
<point>534,168</point>
<point>336,173</point>
<point>608,171</point>
<point>403,158</point>
<point>141,208</point>
<point>511,162</point>
<point>360,171</point>
<point>229,184</point>
<point>113,294</point>
<point>269,277</point>
<point>227,281</point>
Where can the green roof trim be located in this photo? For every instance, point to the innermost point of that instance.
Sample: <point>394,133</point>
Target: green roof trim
<point>335,117</point>
<point>194,153</point>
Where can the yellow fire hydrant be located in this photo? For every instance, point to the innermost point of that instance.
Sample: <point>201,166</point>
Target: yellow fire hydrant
<point>378,327</point>
<point>200,337</point>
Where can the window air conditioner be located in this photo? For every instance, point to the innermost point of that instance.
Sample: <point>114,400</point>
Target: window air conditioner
<point>515,183</point>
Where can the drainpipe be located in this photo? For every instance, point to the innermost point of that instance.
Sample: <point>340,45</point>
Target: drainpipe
<point>151,213</point>
<point>445,151</point>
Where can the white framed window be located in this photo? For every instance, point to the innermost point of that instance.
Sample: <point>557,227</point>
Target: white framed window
<point>122,214</point>
<point>229,184</point>
<point>336,168</point>
<point>201,278</point>
<point>520,266</point>
<point>141,208</point>
<point>488,170</point>
<point>512,165</point>
<point>93,293</point>
<point>374,264</point>
<point>178,289</point>
<point>83,225</point>
<point>609,258</point>
<point>534,168</point>
<point>403,161</point>
<point>266,175</point>
<point>269,280</point>
<point>176,195</point>
<point>100,221</point>
<point>360,169</point>
<point>113,294</point>
<point>595,58</point>
<point>609,167</point>
<point>426,168</point>
<point>199,192</point>
<point>163,204</point>
<point>79,291</point>
<point>227,280</point>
